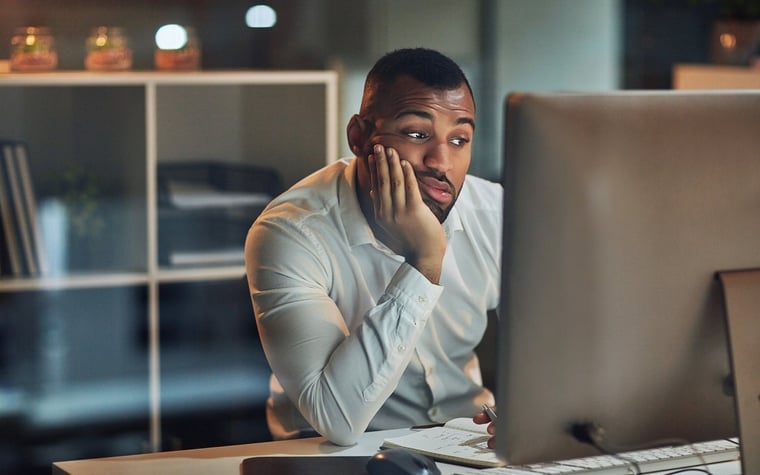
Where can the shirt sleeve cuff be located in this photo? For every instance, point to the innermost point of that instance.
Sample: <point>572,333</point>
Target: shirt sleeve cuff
<point>414,291</point>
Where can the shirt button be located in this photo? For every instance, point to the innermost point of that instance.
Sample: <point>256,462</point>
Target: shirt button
<point>429,371</point>
<point>433,412</point>
<point>421,299</point>
<point>401,348</point>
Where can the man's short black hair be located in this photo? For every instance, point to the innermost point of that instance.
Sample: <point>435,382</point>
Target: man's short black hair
<point>425,65</point>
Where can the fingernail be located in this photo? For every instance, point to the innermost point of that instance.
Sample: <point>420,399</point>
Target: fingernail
<point>378,148</point>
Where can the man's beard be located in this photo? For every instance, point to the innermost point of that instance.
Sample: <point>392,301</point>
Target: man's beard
<point>434,206</point>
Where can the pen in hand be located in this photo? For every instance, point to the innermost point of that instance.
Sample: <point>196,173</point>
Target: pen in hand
<point>488,410</point>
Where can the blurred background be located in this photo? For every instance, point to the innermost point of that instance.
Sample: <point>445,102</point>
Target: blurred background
<point>503,46</point>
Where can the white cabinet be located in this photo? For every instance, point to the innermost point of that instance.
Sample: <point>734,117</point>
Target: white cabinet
<point>114,336</point>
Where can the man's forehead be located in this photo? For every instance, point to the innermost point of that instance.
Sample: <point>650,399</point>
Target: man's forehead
<point>462,118</point>
<point>409,96</point>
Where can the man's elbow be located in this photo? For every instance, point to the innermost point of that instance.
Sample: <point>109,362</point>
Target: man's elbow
<point>343,433</point>
<point>336,423</point>
<point>343,437</point>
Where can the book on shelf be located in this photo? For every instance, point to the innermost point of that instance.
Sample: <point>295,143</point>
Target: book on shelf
<point>20,213</point>
<point>3,254</point>
<point>18,210</point>
<point>27,187</point>
<point>459,441</point>
<point>11,251</point>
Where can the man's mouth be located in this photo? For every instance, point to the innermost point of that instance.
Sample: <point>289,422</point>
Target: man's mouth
<point>437,190</point>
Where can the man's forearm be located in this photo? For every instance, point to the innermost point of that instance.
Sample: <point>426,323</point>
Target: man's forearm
<point>339,380</point>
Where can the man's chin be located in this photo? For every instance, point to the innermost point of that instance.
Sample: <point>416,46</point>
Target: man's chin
<point>438,211</point>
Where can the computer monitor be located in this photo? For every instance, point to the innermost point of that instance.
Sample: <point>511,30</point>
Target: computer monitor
<point>620,208</point>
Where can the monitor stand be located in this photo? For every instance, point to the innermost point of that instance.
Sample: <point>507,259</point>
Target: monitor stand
<point>741,295</point>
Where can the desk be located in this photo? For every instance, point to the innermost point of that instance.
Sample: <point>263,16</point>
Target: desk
<point>227,460</point>
<point>218,460</point>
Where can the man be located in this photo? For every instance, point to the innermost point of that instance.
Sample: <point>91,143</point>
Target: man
<point>371,278</point>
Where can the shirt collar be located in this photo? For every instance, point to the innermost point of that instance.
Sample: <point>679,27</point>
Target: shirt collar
<point>355,224</point>
<point>453,221</point>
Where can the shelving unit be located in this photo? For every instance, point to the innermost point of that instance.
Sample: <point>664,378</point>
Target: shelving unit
<point>108,303</point>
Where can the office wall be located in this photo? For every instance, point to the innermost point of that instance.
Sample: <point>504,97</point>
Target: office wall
<point>556,44</point>
<point>545,45</point>
<point>450,26</point>
<point>503,46</point>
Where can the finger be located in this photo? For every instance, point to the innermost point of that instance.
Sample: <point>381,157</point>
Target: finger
<point>382,191</point>
<point>481,418</point>
<point>412,189</point>
<point>397,179</point>
<point>372,176</point>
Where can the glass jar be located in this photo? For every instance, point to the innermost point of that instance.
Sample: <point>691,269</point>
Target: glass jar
<point>178,48</point>
<point>107,50</point>
<point>33,49</point>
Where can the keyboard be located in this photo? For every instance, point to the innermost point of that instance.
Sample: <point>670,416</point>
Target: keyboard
<point>648,461</point>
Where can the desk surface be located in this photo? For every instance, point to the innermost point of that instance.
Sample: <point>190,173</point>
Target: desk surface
<point>219,460</point>
<point>227,459</point>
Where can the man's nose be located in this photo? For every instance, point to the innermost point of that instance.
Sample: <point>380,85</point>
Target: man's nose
<point>438,157</point>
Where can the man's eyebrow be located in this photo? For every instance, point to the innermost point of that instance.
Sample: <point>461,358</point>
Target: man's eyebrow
<point>466,120</point>
<point>428,116</point>
<point>415,112</point>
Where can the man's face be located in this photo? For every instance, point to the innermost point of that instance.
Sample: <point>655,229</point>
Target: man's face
<point>432,129</point>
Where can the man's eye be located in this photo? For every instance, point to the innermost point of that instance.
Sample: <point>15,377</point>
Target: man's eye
<point>417,135</point>
<point>459,141</point>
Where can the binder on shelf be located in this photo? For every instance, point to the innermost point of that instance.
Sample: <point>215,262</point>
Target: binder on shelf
<point>11,249</point>
<point>20,212</point>
<point>27,186</point>
<point>4,264</point>
<point>21,233</point>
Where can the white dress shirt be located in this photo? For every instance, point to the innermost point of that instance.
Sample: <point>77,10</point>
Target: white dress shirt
<point>357,338</point>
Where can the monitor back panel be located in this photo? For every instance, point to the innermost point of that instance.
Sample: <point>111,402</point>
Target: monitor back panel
<point>619,209</point>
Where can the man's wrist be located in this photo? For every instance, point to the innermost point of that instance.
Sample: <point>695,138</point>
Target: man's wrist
<point>430,267</point>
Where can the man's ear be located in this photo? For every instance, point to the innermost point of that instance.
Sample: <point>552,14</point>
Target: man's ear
<point>357,132</point>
